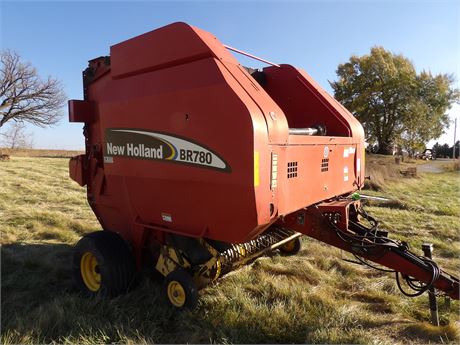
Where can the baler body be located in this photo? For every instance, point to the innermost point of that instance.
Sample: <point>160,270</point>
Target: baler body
<point>196,165</point>
<point>181,137</point>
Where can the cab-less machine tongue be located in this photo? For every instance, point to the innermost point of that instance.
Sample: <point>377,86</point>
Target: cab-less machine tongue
<point>195,165</point>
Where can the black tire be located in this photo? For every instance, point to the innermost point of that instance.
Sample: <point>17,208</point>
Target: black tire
<point>103,264</point>
<point>180,280</point>
<point>291,247</point>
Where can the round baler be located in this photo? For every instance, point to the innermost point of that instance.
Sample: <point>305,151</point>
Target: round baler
<point>195,165</point>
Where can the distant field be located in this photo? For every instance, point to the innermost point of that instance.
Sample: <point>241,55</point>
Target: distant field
<point>40,153</point>
<point>314,297</point>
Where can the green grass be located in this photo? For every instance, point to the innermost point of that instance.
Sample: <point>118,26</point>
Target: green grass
<point>314,297</point>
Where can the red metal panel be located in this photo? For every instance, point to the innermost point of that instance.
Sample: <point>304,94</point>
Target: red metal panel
<point>314,180</point>
<point>81,111</point>
<point>171,45</point>
<point>192,101</point>
<point>76,169</point>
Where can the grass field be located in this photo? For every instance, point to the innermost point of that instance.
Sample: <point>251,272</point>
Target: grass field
<point>45,153</point>
<point>314,297</point>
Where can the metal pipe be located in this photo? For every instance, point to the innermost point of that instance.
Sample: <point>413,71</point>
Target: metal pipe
<point>379,198</point>
<point>251,56</point>
<point>427,251</point>
<point>303,131</point>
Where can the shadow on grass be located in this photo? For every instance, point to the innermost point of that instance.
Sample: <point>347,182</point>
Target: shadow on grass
<point>40,304</point>
<point>429,333</point>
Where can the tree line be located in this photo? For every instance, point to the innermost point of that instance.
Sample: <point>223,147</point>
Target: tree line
<point>446,151</point>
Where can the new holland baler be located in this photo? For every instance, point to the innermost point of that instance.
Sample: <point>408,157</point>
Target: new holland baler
<point>195,165</point>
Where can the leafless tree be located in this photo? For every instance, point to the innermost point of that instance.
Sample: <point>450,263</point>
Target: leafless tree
<point>15,137</point>
<point>24,96</point>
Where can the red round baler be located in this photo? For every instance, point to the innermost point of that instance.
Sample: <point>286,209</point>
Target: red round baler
<point>195,165</point>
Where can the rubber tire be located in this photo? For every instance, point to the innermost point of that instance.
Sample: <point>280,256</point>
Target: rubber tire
<point>115,261</point>
<point>295,250</point>
<point>186,281</point>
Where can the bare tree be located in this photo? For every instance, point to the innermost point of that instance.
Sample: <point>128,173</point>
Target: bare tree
<point>24,96</point>
<point>15,137</point>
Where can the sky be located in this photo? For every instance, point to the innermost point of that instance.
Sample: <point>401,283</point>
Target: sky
<point>59,37</point>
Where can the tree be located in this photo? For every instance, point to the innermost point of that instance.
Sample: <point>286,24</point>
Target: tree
<point>446,151</point>
<point>16,137</point>
<point>437,150</point>
<point>24,96</point>
<point>394,103</point>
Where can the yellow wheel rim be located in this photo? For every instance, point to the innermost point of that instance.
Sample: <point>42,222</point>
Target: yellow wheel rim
<point>217,268</point>
<point>90,272</point>
<point>289,247</point>
<point>176,293</point>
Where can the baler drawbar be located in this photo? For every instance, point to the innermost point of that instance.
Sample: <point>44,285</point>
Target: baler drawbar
<point>195,165</point>
<point>337,223</point>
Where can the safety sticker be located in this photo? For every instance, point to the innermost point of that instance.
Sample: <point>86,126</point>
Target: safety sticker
<point>166,217</point>
<point>345,174</point>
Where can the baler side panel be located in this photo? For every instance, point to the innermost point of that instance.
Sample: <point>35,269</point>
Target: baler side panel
<point>311,173</point>
<point>306,104</point>
<point>274,123</point>
<point>339,111</point>
<point>218,114</point>
<point>275,120</point>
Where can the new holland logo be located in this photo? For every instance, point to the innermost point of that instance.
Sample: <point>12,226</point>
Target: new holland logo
<point>141,144</point>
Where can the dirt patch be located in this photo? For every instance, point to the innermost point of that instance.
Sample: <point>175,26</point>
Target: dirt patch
<point>435,166</point>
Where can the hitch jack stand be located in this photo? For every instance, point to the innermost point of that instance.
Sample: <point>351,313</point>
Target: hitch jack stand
<point>427,251</point>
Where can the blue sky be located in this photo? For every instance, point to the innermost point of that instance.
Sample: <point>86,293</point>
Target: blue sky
<point>59,37</point>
